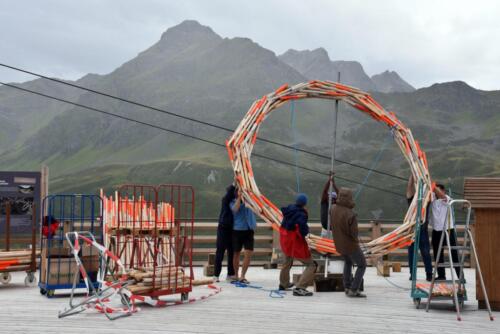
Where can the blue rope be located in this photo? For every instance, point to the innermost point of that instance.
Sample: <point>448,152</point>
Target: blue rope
<point>272,293</point>
<point>374,164</point>
<point>294,132</point>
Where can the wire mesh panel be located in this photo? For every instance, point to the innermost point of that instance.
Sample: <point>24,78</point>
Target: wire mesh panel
<point>176,219</point>
<point>63,214</point>
<point>151,230</point>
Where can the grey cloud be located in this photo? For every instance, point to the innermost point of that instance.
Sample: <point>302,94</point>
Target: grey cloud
<point>424,41</point>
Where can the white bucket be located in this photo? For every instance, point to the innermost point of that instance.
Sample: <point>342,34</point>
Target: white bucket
<point>336,266</point>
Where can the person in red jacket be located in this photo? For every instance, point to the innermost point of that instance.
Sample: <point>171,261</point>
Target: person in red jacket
<point>293,231</point>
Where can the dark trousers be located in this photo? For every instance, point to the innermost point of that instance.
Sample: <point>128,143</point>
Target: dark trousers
<point>357,258</point>
<point>425,251</point>
<point>436,237</point>
<point>224,242</point>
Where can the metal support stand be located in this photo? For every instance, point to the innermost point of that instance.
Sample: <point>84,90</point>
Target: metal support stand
<point>334,140</point>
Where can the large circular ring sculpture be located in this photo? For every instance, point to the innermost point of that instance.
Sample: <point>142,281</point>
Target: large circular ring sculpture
<point>241,143</point>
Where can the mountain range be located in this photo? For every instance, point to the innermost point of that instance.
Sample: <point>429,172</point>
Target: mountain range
<point>194,72</point>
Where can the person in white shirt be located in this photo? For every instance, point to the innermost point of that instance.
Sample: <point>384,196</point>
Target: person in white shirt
<point>438,220</point>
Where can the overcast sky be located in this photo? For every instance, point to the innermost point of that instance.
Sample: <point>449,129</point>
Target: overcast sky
<point>424,41</point>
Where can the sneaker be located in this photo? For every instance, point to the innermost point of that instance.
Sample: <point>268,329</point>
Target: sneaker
<point>302,292</point>
<point>231,278</point>
<point>216,279</point>
<point>355,294</point>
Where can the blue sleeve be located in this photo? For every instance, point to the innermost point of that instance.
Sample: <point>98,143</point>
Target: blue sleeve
<point>303,227</point>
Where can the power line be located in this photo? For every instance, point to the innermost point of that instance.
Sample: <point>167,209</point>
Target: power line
<point>216,126</point>
<point>186,135</point>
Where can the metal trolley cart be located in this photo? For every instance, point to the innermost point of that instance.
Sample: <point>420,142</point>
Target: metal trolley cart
<point>15,255</point>
<point>63,214</point>
<point>151,230</point>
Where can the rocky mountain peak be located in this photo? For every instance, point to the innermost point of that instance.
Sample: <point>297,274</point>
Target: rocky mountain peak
<point>391,82</point>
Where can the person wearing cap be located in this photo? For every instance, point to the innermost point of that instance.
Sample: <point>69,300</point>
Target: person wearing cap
<point>345,235</point>
<point>325,195</point>
<point>293,232</point>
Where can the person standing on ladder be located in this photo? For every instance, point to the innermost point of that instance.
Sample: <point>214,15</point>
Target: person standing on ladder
<point>345,235</point>
<point>325,196</point>
<point>293,232</point>
<point>423,245</point>
<point>225,236</point>
<point>438,219</point>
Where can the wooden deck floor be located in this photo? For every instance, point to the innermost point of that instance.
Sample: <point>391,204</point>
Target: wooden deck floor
<point>238,310</point>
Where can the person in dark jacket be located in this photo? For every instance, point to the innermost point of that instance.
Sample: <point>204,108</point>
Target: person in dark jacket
<point>325,195</point>
<point>424,244</point>
<point>293,231</point>
<point>225,236</point>
<point>345,235</point>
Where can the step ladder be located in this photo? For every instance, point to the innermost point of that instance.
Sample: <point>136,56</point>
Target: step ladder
<point>457,284</point>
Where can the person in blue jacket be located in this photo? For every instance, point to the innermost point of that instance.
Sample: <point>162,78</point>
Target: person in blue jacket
<point>244,227</point>
<point>293,232</point>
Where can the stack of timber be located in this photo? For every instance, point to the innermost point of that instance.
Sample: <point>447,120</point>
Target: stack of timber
<point>136,215</point>
<point>146,280</point>
<point>16,260</point>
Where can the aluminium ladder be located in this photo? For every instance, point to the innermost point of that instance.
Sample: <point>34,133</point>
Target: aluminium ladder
<point>457,285</point>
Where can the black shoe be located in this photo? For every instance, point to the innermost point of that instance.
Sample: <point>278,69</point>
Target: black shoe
<point>440,278</point>
<point>428,277</point>
<point>290,286</point>
<point>410,279</point>
<point>302,292</point>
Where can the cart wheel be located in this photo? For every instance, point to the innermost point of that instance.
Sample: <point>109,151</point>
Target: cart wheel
<point>30,280</point>
<point>50,293</point>
<point>43,292</point>
<point>5,278</point>
<point>184,296</point>
<point>416,301</point>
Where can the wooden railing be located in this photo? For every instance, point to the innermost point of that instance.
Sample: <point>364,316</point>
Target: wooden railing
<point>205,235</point>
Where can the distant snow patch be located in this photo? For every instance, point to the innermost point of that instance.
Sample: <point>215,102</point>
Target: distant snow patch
<point>211,176</point>
<point>177,167</point>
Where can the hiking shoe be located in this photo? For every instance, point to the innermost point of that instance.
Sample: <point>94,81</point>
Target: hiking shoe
<point>302,292</point>
<point>355,294</point>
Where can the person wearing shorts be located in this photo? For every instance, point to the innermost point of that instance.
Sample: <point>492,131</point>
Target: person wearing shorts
<point>243,236</point>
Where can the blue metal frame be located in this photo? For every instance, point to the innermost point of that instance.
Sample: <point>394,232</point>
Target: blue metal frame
<point>77,210</point>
